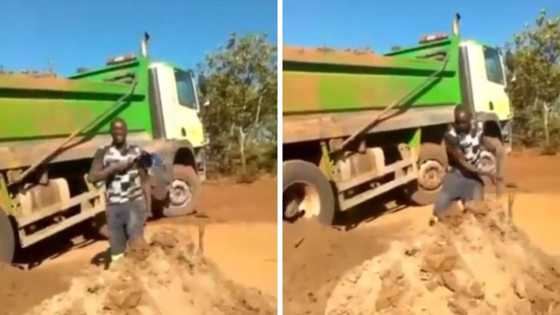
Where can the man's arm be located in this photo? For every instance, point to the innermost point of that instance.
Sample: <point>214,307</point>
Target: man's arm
<point>144,179</point>
<point>98,173</point>
<point>146,189</point>
<point>457,155</point>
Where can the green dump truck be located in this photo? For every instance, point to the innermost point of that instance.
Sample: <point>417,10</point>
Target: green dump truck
<point>358,125</point>
<point>50,128</point>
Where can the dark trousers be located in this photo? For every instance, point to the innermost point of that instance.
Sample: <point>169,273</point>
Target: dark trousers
<point>125,222</point>
<point>457,186</point>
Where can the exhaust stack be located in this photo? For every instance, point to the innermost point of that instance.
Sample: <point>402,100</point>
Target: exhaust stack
<point>144,44</point>
<point>456,24</point>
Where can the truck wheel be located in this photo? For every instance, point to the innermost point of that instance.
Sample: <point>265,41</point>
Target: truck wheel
<point>184,192</point>
<point>307,191</point>
<point>432,165</point>
<point>7,239</point>
<point>487,158</point>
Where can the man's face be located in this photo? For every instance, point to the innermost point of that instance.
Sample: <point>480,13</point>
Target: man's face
<point>118,132</point>
<point>463,122</point>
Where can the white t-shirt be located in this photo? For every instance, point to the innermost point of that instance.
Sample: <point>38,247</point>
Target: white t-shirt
<point>469,143</point>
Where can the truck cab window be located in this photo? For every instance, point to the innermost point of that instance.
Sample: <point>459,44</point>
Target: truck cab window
<point>493,64</point>
<point>185,89</point>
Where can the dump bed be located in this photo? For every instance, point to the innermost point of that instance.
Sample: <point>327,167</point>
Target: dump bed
<point>42,108</point>
<point>323,80</point>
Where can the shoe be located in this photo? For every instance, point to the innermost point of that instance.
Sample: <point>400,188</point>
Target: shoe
<point>433,220</point>
<point>115,258</point>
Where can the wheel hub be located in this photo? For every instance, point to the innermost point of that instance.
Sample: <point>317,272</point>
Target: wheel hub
<point>431,173</point>
<point>487,162</point>
<point>301,198</point>
<point>180,194</point>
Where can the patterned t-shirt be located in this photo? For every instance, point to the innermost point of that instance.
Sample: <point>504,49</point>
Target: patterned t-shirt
<point>468,143</point>
<point>125,186</point>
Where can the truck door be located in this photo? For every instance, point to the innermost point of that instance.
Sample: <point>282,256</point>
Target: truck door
<point>179,105</point>
<point>488,81</point>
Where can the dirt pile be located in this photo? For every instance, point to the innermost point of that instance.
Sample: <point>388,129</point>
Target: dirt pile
<point>167,275</point>
<point>475,262</point>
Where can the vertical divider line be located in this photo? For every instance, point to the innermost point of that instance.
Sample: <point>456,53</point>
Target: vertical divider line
<point>279,138</point>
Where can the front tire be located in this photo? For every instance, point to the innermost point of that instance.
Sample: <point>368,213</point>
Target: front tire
<point>184,192</point>
<point>432,166</point>
<point>307,190</point>
<point>7,239</point>
<point>490,155</point>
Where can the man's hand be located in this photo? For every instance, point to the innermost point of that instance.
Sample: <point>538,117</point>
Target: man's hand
<point>122,166</point>
<point>495,179</point>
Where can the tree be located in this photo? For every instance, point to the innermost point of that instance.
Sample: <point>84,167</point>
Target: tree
<point>534,64</point>
<point>239,82</point>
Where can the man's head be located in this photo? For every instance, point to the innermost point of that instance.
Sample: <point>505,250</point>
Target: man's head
<point>119,131</point>
<point>463,119</point>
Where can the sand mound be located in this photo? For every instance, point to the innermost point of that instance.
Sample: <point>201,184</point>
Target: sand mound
<point>164,276</point>
<point>475,262</point>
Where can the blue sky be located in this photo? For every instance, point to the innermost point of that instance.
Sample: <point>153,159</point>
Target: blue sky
<point>72,34</point>
<point>381,24</point>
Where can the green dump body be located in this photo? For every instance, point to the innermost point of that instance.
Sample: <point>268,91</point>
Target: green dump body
<point>329,81</point>
<point>42,108</point>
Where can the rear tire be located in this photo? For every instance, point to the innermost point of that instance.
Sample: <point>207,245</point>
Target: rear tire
<point>307,190</point>
<point>184,192</point>
<point>432,166</point>
<point>7,239</point>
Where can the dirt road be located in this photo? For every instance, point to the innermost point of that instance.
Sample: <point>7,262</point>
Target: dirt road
<point>240,238</point>
<point>315,257</point>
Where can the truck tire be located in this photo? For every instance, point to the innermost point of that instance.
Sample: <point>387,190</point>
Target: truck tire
<point>305,186</point>
<point>432,166</point>
<point>488,158</point>
<point>7,239</point>
<point>183,193</point>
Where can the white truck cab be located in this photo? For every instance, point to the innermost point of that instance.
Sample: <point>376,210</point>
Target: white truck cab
<point>177,98</point>
<point>484,85</point>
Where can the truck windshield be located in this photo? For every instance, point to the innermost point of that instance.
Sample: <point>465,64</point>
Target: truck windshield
<point>185,89</point>
<point>493,64</point>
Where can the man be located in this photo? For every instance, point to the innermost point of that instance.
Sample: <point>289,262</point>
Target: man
<point>465,144</point>
<point>118,166</point>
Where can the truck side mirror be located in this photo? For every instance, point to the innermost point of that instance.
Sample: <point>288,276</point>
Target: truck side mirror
<point>202,84</point>
<point>203,88</point>
<point>509,60</point>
